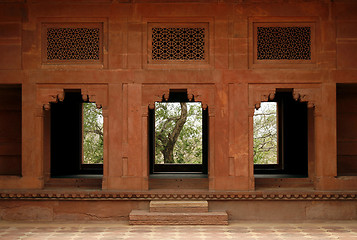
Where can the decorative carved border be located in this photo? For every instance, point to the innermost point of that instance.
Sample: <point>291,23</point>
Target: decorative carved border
<point>228,196</point>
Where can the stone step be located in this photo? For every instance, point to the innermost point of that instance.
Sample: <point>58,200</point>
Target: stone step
<point>144,217</point>
<point>179,206</point>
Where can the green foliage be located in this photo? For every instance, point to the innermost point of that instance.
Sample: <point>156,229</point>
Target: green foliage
<point>92,134</point>
<point>265,134</point>
<point>188,148</point>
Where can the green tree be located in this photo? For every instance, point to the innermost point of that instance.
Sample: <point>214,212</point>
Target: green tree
<point>92,134</point>
<point>265,134</point>
<point>178,133</point>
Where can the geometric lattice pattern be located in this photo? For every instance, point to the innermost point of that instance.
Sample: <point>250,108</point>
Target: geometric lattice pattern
<point>284,43</point>
<point>178,43</point>
<point>73,43</point>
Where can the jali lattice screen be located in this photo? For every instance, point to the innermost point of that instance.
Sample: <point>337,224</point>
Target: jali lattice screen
<point>284,43</point>
<point>178,43</point>
<point>73,44</point>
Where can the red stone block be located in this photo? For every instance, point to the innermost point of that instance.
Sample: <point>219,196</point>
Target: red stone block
<point>10,57</point>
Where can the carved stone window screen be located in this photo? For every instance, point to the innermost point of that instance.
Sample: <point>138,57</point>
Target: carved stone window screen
<point>283,43</point>
<point>178,43</point>
<point>72,43</point>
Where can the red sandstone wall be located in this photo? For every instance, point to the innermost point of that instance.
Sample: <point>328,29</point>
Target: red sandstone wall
<point>114,210</point>
<point>231,81</point>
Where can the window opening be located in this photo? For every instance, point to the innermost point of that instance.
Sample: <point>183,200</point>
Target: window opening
<point>178,135</point>
<point>265,134</point>
<point>67,125</point>
<point>292,137</point>
<point>92,134</point>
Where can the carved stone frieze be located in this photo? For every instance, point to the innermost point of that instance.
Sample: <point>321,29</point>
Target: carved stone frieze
<point>226,196</point>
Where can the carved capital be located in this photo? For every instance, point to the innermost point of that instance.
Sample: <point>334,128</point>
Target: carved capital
<point>251,111</point>
<point>105,112</point>
<point>212,111</point>
<point>144,111</point>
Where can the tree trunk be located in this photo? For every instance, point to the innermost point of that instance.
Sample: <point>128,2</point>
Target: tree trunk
<point>168,153</point>
<point>168,150</point>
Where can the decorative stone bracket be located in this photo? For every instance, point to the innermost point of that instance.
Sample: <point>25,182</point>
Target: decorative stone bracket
<point>309,96</point>
<point>47,94</point>
<point>263,93</point>
<point>154,93</point>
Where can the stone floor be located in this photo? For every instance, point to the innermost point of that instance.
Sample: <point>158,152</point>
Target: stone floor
<point>235,230</point>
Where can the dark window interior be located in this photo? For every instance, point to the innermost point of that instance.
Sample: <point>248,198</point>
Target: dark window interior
<point>346,100</point>
<point>10,129</point>
<point>292,138</point>
<point>178,96</point>
<point>66,138</point>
